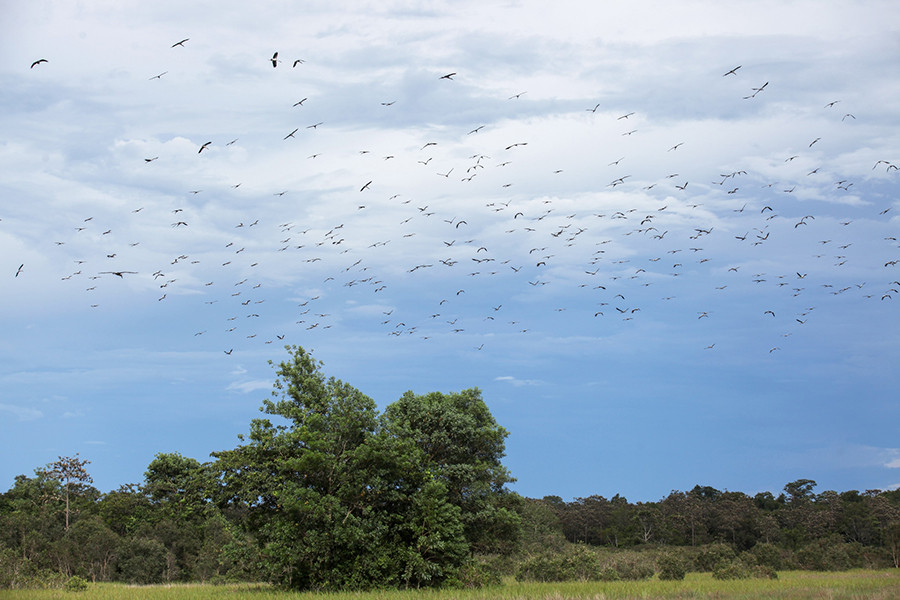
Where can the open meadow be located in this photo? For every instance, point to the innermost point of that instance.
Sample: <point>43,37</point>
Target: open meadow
<point>790,585</point>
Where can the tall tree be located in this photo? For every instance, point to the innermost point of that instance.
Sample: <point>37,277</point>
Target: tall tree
<point>463,447</point>
<point>73,477</point>
<point>333,501</point>
<point>299,476</point>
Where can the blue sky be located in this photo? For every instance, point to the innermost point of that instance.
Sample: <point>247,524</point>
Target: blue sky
<point>661,239</point>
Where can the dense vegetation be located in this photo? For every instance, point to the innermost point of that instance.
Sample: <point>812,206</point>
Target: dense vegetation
<point>326,493</point>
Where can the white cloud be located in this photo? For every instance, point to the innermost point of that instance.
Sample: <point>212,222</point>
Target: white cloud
<point>518,382</point>
<point>24,413</point>
<point>246,387</point>
<point>892,458</point>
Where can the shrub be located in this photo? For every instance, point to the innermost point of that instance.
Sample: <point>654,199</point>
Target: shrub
<point>763,572</point>
<point>712,555</point>
<point>475,575</point>
<point>76,584</point>
<point>632,566</point>
<point>671,567</point>
<point>739,568</point>
<point>768,555</point>
<point>20,573</point>
<point>733,569</point>
<point>608,573</point>
<point>583,564</point>
<point>830,554</point>
<point>541,568</point>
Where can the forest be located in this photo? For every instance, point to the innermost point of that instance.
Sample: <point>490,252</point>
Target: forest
<point>326,493</point>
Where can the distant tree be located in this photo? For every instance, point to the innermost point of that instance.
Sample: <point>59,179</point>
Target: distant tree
<point>800,491</point>
<point>73,477</point>
<point>541,527</point>
<point>31,518</point>
<point>178,485</point>
<point>646,518</point>
<point>89,548</point>
<point>125,510</point>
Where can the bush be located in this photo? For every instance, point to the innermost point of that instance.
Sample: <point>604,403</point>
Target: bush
<point>712,555</point>
<point>733,569</point>
<point>76,584</point>
<point>475,575</point>
<point>743,569</point>
<point>671,567</point>
<point>20,573</point>
<point>768,555</point>
<point>584,564</point>
<point>541,568</point>
<point>763,572</point>
<point>608,573</point>
<point>831,554</point>
<point>632,566</point>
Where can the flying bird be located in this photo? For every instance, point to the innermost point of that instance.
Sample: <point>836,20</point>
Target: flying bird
<point>19,270</point>
<point>448,76</point>
<point>274,60</point>
<point>732,72</point>
<point>181,43</point>
<point>37,62</point>
<point>203,147</point>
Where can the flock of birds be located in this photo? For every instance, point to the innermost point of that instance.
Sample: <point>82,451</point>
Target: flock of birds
<point>523,242</point>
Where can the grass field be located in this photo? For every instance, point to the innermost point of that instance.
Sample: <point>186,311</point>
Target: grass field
<point>856,585</point>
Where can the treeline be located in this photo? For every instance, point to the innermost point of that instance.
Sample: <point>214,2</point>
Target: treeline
<point>706,527</point>
<point>326,493</point>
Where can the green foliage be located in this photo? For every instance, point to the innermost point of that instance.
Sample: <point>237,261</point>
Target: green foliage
<point>476,574</point>
<point>141,561</point>
<point>463,446</point>
<point>76,584</point>
<point>632,566</point>
<point>89,548</point>
<point>670,566</point>
<point>338,498</point>
<point>743,567</point>
<point>732,569</point>
<point>543,567</point>
<point>17,572</point>
<point>582,563</point>
<point>768,555</point>
<point>830,554</point>
<point>712,555</point>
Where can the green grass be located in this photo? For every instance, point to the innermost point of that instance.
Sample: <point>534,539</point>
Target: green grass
<point>790,585</point>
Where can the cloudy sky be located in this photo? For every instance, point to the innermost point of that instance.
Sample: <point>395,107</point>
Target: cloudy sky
<point>662,238</point>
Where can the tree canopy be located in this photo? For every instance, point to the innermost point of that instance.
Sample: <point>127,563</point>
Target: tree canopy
<point>339,496</point>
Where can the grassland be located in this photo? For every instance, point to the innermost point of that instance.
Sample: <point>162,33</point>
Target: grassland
<point>791,585</point>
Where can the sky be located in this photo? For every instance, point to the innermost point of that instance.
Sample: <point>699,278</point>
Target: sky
<point>661,238</point>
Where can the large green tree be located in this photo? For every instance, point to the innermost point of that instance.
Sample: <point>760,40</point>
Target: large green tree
<point>333,499</point>
<point>463,446</point>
